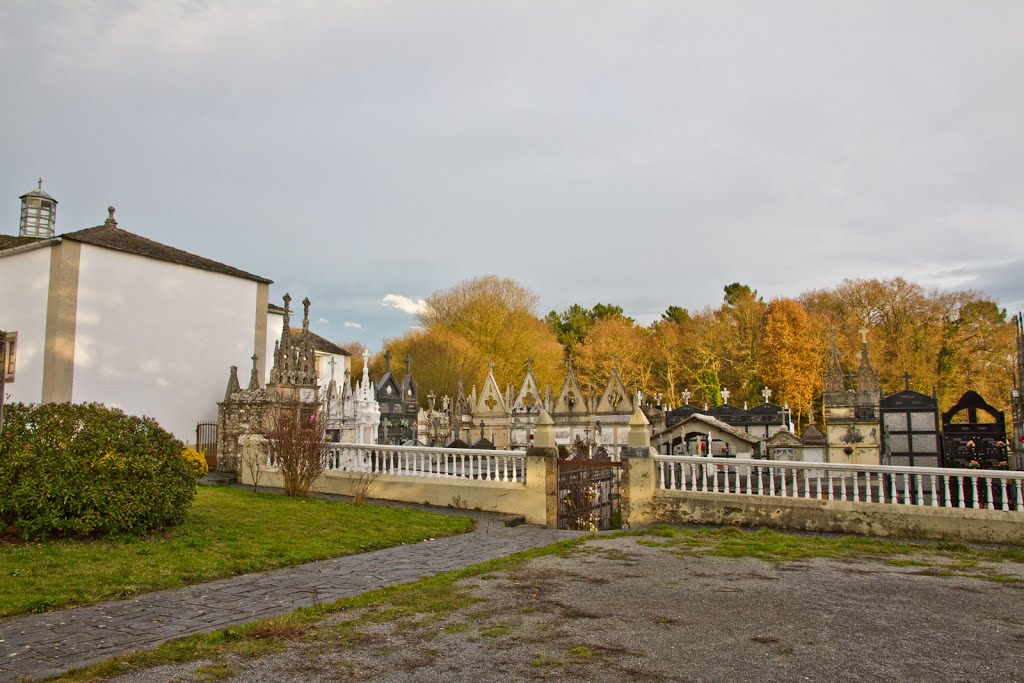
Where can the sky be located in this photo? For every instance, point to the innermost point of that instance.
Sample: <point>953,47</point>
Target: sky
<point>639,153</point>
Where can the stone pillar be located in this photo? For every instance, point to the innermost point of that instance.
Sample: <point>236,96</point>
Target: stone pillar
<point>542,469</point>
<point>636,488</point>
<point>639,429</point>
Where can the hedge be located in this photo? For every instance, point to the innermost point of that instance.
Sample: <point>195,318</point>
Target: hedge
<point>88,470</point>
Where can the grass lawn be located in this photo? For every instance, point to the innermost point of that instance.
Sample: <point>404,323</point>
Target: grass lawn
<point>228,531</point>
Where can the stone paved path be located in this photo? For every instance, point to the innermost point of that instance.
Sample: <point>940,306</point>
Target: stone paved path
<point>44,645</point>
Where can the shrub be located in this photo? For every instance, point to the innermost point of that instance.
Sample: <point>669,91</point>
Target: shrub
<point>297,440</point>
<point>87,470</point>
<point>196,461</point>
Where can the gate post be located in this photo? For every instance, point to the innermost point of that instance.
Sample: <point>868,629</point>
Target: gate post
<point>636,488</point>
<point>542,471</point>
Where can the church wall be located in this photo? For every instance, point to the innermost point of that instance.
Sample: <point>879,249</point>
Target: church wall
<point>25,277</point>
<point>275,323</point>
<point>154,338</point>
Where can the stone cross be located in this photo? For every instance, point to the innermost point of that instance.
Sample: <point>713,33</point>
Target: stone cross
<point>568,363</point>
<point>686,394</point>
<point>305,313</point>
<point>863,335</point>
<point>906,380</point>
<point>490,366</point>
<point>332,363</point>
<point>40,182</point>
<point>725,395</point>
<point>767,393</point>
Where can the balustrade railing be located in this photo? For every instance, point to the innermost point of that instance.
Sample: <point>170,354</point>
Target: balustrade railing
<point>418,461</point>
<point>924,486</point>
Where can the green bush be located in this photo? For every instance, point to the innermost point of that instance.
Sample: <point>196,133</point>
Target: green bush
<point>88,470</point>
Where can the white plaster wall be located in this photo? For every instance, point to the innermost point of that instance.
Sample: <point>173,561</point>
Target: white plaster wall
<point>275,323</point>
<point>25,281</point>
<point>155,338</point>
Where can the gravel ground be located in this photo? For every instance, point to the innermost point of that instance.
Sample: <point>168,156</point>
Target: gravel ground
<point>617,610</point>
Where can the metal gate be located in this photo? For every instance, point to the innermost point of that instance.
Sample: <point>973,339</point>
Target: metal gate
<point>588,495</point>
<point>206,442</point>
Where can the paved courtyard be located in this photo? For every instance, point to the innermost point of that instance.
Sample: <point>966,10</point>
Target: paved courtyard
<point>619,609</point>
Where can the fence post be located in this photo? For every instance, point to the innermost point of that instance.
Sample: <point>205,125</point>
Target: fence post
<point>542,471</point>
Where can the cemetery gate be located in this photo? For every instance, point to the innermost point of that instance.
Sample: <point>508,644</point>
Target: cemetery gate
<point>588,495</point>
<point>206,442</point>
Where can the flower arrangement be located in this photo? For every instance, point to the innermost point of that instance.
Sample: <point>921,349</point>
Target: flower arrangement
<point>974,465</point>
<point>1002,465</point>
<point>971,445</point>
<point>848,450</point>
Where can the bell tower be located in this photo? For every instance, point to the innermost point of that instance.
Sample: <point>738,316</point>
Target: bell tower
<point>38,213</point>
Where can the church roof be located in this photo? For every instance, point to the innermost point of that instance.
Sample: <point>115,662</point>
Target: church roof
<point>12,241</point>
<point>112,237</point>
<point>319,343</point>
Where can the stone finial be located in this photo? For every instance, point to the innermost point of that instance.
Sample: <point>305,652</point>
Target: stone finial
<point>408,364</point>
<point>639,429</point>
<point>544,432</point>
<point>767,393</point>
<point>305,313</point>
<point>387,361</point>
<point>110,213</point>
<point>287,299</point>
<point>254,377</point>
<point>233,385</point>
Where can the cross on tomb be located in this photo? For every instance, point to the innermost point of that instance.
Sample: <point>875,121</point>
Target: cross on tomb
<point>332,363</point>
<point>767,393</point>
<point>686,394</point>
<point>906,380</point>
<point>40,182</point>
<point>725,395</point>
<point>863,335</point>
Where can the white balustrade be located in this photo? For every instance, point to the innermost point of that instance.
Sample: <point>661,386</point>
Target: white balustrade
<point>921,486</point>
<point>418,461</point>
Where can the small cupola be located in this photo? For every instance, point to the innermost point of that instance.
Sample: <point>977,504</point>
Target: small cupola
<point>38,213</point>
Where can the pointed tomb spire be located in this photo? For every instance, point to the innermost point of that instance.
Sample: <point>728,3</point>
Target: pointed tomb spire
<point>834,374</point>
<point>254,377</point>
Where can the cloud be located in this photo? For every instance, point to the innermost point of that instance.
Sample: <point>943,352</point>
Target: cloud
<point>405,304</point>
<point>357,326</point>
<point>324,321</point>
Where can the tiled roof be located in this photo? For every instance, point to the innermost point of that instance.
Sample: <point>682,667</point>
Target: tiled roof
<point>113,237</point>
<point>319,343</point>
<point>12,241</point>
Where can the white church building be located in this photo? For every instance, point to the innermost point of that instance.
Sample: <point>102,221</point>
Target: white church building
<point>107,315</point>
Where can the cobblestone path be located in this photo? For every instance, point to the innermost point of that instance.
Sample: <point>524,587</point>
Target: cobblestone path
<point>44,645</point>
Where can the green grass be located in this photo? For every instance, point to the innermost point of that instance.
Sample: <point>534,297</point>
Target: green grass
<point>228,532</point>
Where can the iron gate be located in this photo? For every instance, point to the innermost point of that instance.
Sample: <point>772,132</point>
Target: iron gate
<point>588,495</point>
<point>206,442</point>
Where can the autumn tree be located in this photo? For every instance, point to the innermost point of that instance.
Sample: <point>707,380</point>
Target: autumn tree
<point>480,320</point>
<point>791,356</point>
<point>616,341</point>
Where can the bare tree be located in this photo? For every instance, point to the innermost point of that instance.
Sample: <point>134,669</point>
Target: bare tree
<point>298,444</point>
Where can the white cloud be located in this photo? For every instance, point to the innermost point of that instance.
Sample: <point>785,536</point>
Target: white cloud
<point>324,321</point>
<point>357,326</point>
<point>405,304</point>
